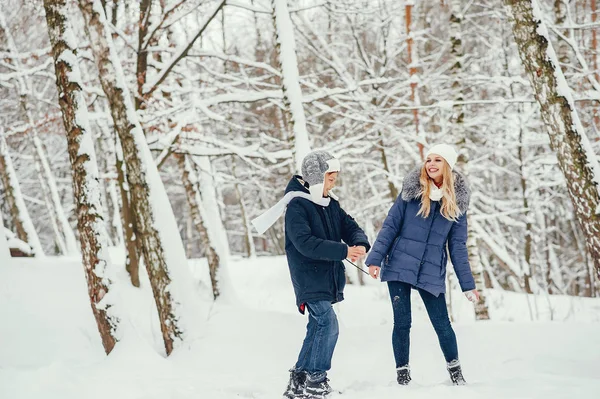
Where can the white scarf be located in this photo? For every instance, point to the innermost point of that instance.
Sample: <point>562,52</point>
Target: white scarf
<point>270,216</point>
<point>435,193</point>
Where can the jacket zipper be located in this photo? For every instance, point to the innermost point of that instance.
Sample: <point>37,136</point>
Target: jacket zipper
<point>433,216</point>
<point>333,273</point>
<point>390,255</point>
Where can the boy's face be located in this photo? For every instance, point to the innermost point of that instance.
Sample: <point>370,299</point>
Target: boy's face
<point>330,179</point>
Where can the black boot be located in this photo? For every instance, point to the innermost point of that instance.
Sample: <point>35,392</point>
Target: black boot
<point>317,390</point>
<point>456,373</point>
<point>403,377</point>
<point>295,387</point>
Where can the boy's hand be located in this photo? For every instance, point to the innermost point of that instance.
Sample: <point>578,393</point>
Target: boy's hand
<point>374,271</point>
<point>355,253</point>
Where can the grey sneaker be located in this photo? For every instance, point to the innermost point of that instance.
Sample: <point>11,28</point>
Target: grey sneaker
<point>295,387</point>
<point>456,373</point>
<point>403,376</point>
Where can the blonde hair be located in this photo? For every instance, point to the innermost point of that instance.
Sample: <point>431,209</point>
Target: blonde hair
<point>449,208</point>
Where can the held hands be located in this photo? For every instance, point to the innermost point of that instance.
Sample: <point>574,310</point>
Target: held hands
<point>472,296</point>
<point>356,252</point>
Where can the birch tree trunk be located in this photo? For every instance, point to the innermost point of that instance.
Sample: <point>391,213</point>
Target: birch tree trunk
<point>163,250</point>
<point>248,239</point>
<point>12,192</point>
<point>595,56</point>
<point>576,158</point>
<point>412,70</point>
<point>457,51</point>
<point>530,272</point>
<point>292,93</point>
<point>142,51</point>
<point>190,183</point>
<point>123,219</point>
<point>107,146</point>
<point>86,187</point>
<point>132,245</point>
<point>217,234</point>
<point>123,215</point>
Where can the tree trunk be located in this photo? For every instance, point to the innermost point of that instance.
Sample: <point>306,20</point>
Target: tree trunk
<point>248,239</point>
<point>4,249</point>
<point>560,18</point>
<point>93,235</point>
<point>162,248</point>
<point>457,53</point>
<point>595,56</point>
<point>107,204</point>
<point>198,216</point>
<point>412,70</point>
<point>132,244</point>
<point>576,158</point>
<point>12,192</point>
<point>529,273</point>
<point>292,94</point>
<point>217,233</point>
<point>107,139</point>
<point>142,51</point>
<point>386,167</point>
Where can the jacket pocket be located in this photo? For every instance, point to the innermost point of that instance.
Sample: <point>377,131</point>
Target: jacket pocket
<point>318,276</point>
<point>444,261</point>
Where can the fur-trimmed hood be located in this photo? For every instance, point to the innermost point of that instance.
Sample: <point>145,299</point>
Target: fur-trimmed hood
<point>411,188</point>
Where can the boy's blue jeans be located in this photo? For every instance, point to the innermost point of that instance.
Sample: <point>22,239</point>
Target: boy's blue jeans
<point>321,336</point>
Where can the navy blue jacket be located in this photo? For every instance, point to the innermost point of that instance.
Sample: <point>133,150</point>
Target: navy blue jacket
<point>313,246</point>
<point>412,249</point>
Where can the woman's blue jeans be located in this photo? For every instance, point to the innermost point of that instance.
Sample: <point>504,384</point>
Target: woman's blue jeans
<point>438,314</point>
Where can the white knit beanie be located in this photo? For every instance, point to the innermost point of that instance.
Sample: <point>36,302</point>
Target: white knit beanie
<point>445,151</point>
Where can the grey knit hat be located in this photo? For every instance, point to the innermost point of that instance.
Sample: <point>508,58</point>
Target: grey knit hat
<point>314,167</point>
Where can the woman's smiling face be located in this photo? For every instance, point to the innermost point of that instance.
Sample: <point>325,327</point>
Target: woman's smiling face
<point>435,167</point>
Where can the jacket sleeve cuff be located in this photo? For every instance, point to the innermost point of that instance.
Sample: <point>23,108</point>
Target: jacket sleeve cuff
<point>467,285</point>
<point>374,259</point>
<point>341,250</point>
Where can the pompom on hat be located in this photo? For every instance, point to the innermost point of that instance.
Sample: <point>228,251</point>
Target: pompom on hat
<point>445,151</point>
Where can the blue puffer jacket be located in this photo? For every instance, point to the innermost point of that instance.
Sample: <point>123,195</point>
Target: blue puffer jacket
<point>313,246</point>
<point>412,249</point>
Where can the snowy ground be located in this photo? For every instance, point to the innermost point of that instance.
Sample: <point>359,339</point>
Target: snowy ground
<point>50,349</point>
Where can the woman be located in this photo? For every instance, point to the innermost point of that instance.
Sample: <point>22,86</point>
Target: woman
<point>410,252</point>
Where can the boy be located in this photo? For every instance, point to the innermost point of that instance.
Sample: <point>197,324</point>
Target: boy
<point>315,225</point>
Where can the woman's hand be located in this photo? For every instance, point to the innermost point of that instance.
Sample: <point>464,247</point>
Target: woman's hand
<point>374,271</point>
<point>472,295</point>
